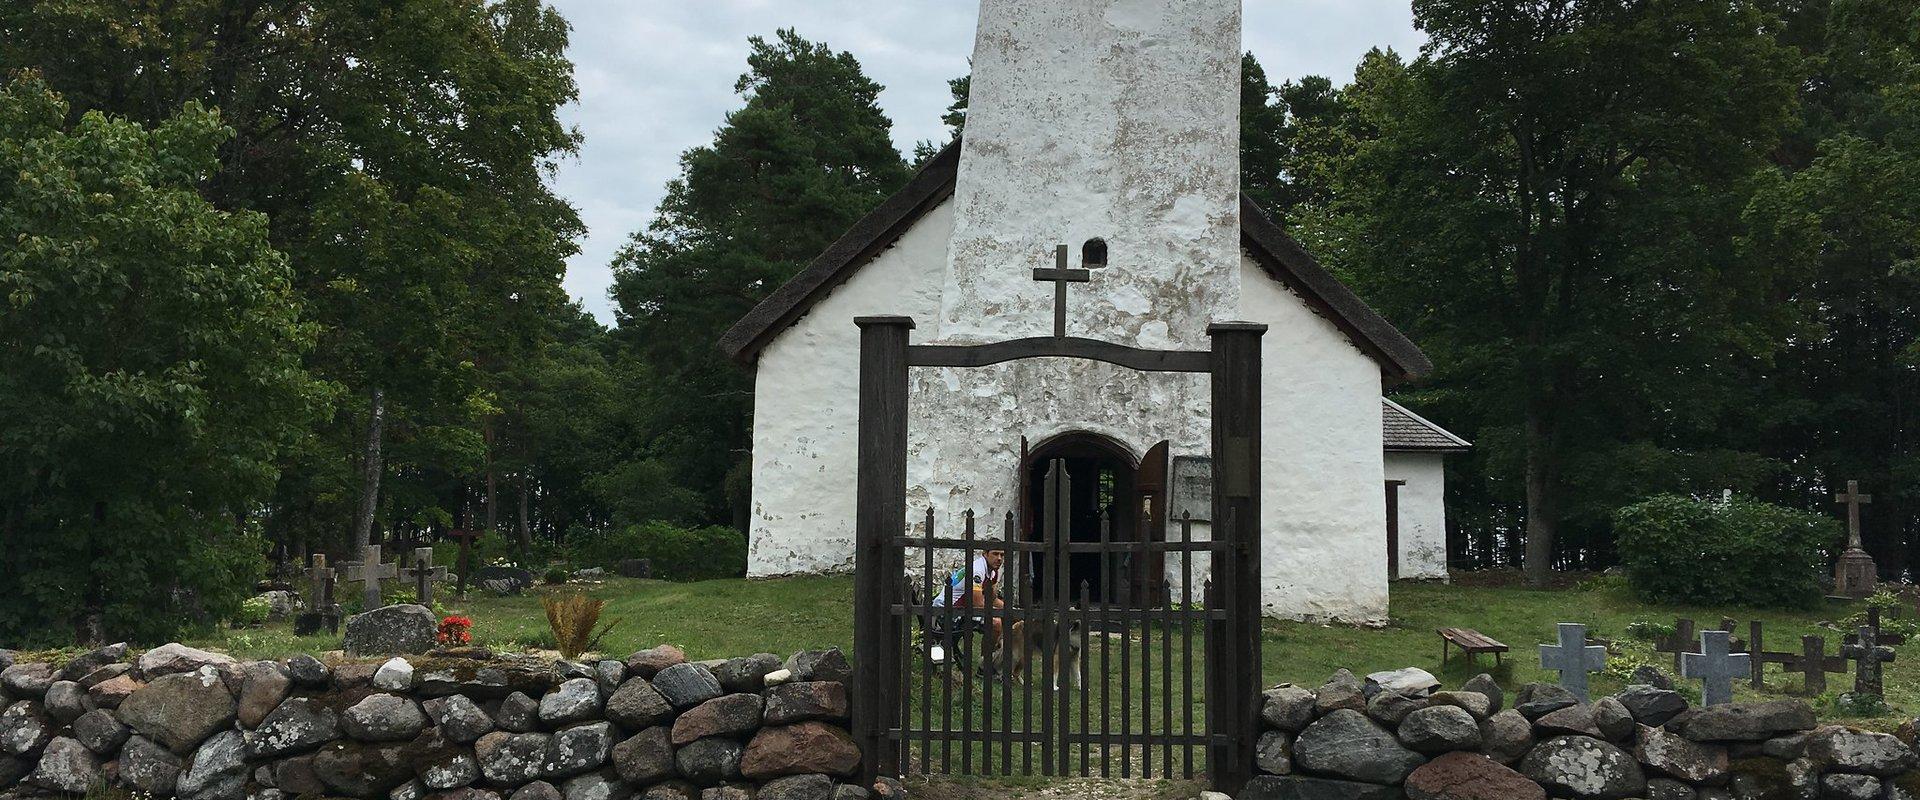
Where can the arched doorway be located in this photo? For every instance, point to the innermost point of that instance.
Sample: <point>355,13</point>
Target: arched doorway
<point>1108,483</point>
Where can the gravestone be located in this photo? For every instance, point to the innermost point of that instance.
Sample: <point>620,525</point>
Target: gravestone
<point>1868,655</point>
<point>368,574</point>
<point>510,580</point>
<point>393,630</point>
<point>322,610</point>
<point>1573,658</point>
<point>1715,667</point>
<point>466,539</point>
<point>1854,573</point>
<point>424,573</point>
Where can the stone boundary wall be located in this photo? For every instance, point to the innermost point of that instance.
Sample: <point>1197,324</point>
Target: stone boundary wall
<point>454,725</point>
<point>1354,740</point>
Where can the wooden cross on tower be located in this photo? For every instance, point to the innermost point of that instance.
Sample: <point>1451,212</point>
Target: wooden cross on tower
<point>424,573</point>
<point>368,573</point>
<point>1853,500</point>
<point>1060,275</point>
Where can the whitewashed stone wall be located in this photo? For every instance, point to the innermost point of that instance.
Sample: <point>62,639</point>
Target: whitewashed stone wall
<point>1423,513</point>
<point>1323,504</point>
<point>806,401</point>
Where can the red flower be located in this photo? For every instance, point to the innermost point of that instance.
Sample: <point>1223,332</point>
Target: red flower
<point>454,631</point>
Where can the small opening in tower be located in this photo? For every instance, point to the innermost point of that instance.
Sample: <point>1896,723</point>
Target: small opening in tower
<point>1093,254</point>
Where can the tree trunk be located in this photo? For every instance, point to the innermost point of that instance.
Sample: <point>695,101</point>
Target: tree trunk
<point>370,469</point>
<point>493,516</point>
<point>526,530</point>
<point>1543,520</point>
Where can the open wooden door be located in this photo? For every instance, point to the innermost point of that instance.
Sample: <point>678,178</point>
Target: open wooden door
<point>1150,488</point>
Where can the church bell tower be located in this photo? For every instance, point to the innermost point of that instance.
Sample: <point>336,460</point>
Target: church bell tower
<point>1110,126</point>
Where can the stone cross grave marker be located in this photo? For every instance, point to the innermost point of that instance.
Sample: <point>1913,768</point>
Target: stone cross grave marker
<point>368,573</point>
<point>1716,667</point>
<point>1853,500</point>
<point>1060,275</point>
<point>322,611</point>
<point>1573,658</point>
<point>1869,654</point>
<point>424,573</point>
<point>1854,573</point>
<point>321,595</point>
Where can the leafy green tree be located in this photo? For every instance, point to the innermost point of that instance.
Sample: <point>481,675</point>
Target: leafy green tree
<point>1548,199</point>
<point>788,173</point>
<point>399,151</point>
<point>1842,213</point>
<point>150,375</point>
<point>1292,137</point>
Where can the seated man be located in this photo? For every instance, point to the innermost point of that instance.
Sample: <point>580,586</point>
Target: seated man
<point>985,573</point>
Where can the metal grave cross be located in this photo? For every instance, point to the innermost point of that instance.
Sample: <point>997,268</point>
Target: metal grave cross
<point>369,572</point>
<point>1870,654</point>
<point>1574,658</point>
<point>1853,500</point>
<point>424,573</point>
<point>1061,276</point>
<point>1716,667</point>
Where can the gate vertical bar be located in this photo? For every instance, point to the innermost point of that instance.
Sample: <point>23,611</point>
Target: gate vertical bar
<point>1057,623</point>
<point>1049,583</point>
<point>880,517</point>
<point>1234,660</point>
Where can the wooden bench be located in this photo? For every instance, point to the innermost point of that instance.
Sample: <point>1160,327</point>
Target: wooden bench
<point>1470,642</point>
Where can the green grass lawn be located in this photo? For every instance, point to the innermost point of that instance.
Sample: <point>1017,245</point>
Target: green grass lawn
<point>717,619</point>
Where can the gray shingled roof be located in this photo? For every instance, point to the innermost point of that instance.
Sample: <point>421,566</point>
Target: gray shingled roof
<point>1407,431</point>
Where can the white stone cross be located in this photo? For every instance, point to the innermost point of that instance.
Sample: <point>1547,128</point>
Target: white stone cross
<point>1715,667</point>
<point>1574,658</point>
<point>369,572</point>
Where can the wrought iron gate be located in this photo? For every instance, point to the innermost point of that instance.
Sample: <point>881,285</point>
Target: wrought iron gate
<point>886,621</point>
<point>1104,688</point>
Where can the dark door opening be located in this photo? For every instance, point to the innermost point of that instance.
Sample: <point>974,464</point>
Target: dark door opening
<point>1102,484</point>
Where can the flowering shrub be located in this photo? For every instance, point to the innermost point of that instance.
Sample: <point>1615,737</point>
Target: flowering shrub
<point>454,631</point>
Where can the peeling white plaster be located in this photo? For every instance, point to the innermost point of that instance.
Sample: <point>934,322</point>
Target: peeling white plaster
<point>1323,503</point>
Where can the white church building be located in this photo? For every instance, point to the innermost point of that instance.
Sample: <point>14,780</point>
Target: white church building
<point>1111,126</point>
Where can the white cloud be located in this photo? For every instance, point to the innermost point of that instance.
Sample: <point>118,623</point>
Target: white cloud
<point>656,78</point>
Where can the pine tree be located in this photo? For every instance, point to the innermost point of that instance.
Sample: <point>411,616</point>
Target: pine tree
<point>789,172</point>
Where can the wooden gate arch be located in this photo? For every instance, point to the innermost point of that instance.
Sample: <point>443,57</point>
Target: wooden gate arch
<point>883,616</point>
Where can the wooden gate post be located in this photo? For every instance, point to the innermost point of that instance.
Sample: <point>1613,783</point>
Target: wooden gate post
<point>1233,658</point>
<point>880,517</point>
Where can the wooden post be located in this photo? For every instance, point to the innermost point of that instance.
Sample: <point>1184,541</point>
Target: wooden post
<point>1813,650</point>
<point>1393,529</point>
<point>1756,646</point>
<point>880,517</point>
<point>1233,660</point>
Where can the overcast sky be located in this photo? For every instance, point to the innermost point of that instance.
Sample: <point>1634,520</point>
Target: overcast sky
<point>656,78</point>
